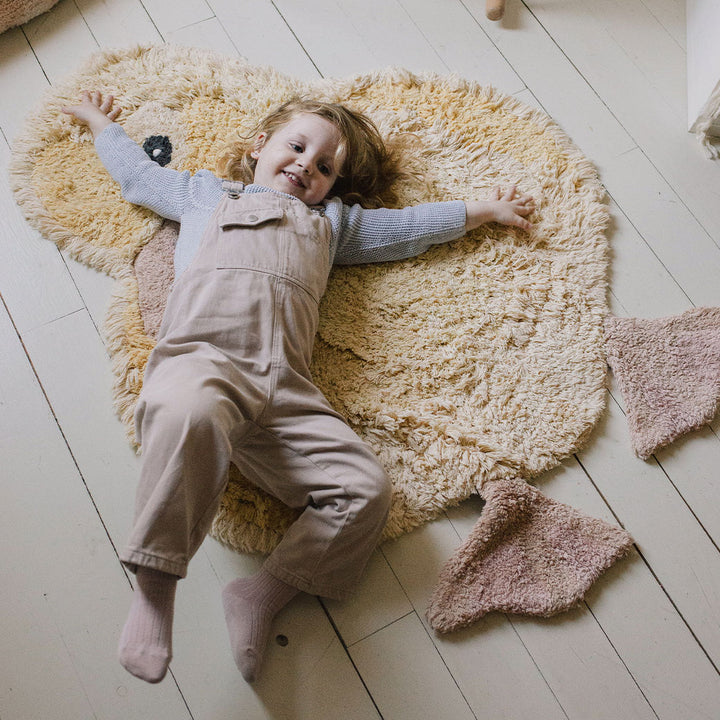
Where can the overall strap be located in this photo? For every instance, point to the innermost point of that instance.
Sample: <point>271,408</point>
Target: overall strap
<point>233,188</point>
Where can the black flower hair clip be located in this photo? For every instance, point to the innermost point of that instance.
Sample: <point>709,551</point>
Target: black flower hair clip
<point>159,149</point>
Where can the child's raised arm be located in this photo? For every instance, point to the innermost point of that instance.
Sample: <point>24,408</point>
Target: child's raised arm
<point>382,234</point>
<point>94,111</point>
<point>508,208</point>
<point>142,181</point>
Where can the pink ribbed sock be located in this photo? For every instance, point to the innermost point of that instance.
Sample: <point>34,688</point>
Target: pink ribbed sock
<point>250,606</point>
<point>145,648</point>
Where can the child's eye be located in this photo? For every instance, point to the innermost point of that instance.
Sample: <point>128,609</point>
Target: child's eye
<point>324,169</point>
<point>297,148</point>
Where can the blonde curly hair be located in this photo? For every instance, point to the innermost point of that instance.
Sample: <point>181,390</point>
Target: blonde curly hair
<point>369,171</point>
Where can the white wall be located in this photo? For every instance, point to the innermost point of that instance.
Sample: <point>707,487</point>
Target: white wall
<point>703,53</point>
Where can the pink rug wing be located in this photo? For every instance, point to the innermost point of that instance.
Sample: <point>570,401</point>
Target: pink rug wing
<point>526,554</point>
<point>155,275</point>
<point>668,370</point>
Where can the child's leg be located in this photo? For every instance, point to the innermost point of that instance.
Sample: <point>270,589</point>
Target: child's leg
<point>145,648</point>
<point>316,462</point>
<point>313,461</point>
<point>185,420</point>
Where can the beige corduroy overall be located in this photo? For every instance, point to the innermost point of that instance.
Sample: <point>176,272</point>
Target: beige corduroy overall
<point>229,381</point>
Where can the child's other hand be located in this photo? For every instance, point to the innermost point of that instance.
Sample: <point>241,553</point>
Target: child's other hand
<point>508,208</point>
<point>94,111</point>
<point>511,208</point>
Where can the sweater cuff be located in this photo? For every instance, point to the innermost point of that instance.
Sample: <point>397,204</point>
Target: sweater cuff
<point>455,215</point>
<point>109,136</point>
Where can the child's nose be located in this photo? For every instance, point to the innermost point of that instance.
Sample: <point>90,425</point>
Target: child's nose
<point>306,163</point>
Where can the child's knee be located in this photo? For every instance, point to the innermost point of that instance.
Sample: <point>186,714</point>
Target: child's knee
<point>198,410</point>
<point>385,493</point>
<point>376,493</point>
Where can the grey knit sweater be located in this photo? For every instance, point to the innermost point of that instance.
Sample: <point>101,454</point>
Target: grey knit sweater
<point>358,235</point>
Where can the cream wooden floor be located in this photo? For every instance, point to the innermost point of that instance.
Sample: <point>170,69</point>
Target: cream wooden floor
<point>646,644</point>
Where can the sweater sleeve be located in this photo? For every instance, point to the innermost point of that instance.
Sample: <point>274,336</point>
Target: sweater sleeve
<point>380,235</point>
<point>142,181</point>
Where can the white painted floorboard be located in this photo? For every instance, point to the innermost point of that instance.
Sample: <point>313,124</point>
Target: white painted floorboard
<point>644,644</point>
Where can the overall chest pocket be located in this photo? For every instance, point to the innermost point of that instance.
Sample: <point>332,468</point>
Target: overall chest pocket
<point>253,238</point>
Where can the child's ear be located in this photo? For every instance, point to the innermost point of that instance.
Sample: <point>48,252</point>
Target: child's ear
<point>258,146</point>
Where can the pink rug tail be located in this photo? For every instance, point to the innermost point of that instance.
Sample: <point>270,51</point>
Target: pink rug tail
<point>668,370</point>
<point>527,554</point>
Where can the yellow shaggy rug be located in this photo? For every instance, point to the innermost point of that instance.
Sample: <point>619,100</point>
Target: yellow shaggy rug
<point>481,361</point>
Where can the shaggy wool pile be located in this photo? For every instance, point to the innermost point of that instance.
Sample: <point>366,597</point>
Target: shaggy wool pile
<point>480,361</point>
<point>668,371</point>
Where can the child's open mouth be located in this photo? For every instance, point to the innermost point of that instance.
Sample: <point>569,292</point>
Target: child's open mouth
<point>294,179</point>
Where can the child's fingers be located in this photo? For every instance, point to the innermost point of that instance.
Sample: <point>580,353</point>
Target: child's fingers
<point>107,103</point>
<point>513,195</point>
<point>91,104</point>
<point>108,109</point>
<point>520,222</point>
<point>524,201</point>
<point>524,207</point>
<point>96,98</point>
<point>72,109</point>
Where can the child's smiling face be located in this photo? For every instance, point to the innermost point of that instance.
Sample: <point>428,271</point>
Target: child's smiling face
<point>300,158</point>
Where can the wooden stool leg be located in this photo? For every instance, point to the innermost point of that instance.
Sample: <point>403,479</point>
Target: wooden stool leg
<point>494,9</point>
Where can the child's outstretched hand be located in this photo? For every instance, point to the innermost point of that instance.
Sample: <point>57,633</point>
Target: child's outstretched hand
<point>508,208</point>
<point>94,111</point>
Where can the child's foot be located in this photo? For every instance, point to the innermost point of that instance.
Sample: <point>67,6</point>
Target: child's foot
<point>250,606</point>
<point>145,648</point>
